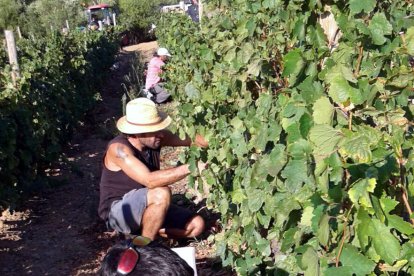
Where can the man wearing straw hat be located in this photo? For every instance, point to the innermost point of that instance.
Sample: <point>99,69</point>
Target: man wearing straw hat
<point>134,192</point>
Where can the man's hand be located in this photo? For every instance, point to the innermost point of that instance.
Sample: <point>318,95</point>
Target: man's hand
<point>200,141</point>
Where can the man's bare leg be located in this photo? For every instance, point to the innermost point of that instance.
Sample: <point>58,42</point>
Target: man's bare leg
<point>192,229</point>
<point>158,201</point>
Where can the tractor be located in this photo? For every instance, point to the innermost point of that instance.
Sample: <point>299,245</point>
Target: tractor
<point>99,13</point>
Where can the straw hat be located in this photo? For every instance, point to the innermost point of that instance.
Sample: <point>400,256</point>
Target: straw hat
<point>142,116</point>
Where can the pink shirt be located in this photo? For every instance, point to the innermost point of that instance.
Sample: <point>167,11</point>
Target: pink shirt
<point>153,72</point>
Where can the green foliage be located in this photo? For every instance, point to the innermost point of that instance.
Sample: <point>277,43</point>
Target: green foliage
<point>135,80</point>
<point>60,78</point>
<point>9,14</point>
<point>139,15</point>
<point>310,144</point>
<point>45,16</point>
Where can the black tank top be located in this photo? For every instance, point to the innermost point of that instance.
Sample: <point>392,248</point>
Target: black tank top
<point>114,185</point>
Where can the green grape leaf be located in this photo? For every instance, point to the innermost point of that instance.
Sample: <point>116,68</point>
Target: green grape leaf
<point>323,111</point>
<point>311,90</point>
<point>388,204</point>
<point>325,139</point>
<point>263,246</point>
<point>395,221</point>
<point>288,239</point>
<point>359,264</point>
<point>357,146</point>
<point>250,26</point>
<point>191,91</point>
<point>238,196</point>
<point>379,27</point>
<point>254,66</point>
<point>323,230</point>
<point>295,174</point>
<point>255,200</point>
<point>307,215</point>
<point>340,90</point>
<point>410,40</point>
<point>385,244</point>
<point>357,6</point>
<point>293,65</point>
<point>339,271</point>
<point>399,224</point>
<point>310,262</point>
<point>359,193</point>
<point>275,161</point>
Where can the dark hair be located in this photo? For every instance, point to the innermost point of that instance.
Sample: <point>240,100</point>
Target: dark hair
<point>154,259</point>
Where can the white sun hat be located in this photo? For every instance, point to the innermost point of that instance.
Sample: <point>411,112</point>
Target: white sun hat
<point>163,52</point>
<point>142,116</point>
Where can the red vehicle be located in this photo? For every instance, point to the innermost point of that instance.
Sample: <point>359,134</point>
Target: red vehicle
<point>101,12</point>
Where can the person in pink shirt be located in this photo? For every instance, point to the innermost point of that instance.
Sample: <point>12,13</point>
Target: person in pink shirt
<point>153,83</point>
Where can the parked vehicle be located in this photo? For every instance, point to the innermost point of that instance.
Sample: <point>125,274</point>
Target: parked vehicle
<point>102,12</point>
<point>182,6</point>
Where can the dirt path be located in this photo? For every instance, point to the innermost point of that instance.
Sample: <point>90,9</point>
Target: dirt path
<point>59,232</point>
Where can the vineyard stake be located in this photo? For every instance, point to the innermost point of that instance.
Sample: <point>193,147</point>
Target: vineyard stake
<point>19,32</point>
<point>200,11</point>
<point>67,25</point>
<point>114,18</point>
<point>12,52</point>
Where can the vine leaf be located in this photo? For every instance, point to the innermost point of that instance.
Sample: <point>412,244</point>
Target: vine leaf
<point>395,221</point>
<point>359,264</point>
<point>293,65</point>
<point>256,201</point>
<point>323,230</point>
<point>325,139</point>
<point>379,26</point>
<point>359,193</point>
<point>323,111</point>
<point>410,40</point>
<point>357,6</point>
<point>295,174</point>
<point>307,215</point>
<point>339,271</point>
<point>339,88</point>
<point>310,261</point>
<point>385,244</point>
<point>191,91</point>
<point>357,145</point>
<point>238,196</point>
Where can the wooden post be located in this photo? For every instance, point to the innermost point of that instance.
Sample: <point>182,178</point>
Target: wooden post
<point>19,32</point>
<point>12,52</point>
<point>114,18</point>
<point>67,25</point>
<point>200,11</point>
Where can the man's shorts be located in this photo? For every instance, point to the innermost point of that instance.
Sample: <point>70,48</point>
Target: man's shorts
<point>161,94</point>
<point>126,214</point>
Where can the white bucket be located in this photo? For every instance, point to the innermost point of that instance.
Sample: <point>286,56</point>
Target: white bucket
<point>188,255</point>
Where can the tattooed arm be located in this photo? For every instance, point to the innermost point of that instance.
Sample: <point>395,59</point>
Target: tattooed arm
<point>120,157</point>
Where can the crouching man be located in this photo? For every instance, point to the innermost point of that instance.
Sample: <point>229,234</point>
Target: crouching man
<point>134,192</point>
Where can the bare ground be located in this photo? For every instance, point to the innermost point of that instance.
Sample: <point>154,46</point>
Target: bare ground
<point>58,231</point>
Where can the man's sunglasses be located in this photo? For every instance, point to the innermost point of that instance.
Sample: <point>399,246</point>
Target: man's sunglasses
<point>130,257</point>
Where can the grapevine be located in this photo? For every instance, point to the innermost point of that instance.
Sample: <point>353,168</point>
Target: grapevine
<point>311,145</point>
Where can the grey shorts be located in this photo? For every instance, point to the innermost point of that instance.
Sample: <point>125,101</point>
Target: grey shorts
<point>126,214</point>
<point>161,94</point>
